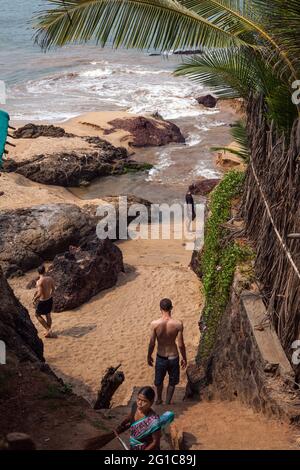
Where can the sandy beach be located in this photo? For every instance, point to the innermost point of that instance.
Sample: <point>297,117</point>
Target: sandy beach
<point>114,327</point>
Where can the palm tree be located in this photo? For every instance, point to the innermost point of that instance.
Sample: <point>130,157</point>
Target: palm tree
<point>248,45</point>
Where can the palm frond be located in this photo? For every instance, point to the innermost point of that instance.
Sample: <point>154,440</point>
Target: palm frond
<point>142,24</point>
<point>239,134</point>
<point>282,19</point>
<point>238,72</point>
<point>230,72</point>
<point>265,23</point>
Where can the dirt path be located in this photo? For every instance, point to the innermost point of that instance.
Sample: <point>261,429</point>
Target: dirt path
<point>114,327</point>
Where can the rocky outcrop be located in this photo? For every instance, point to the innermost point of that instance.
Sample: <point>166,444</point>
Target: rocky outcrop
<point>33,131</point>
<point>208,101</point>
<point>204,186</point>
<point>75,167</point>
<point>147,132</point>
<point>81,273</point>
<point>16,329</point>
<point>30,236</point>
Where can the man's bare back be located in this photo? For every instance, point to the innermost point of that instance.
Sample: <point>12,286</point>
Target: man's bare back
<point>167,331</point>
<point>45,287</point>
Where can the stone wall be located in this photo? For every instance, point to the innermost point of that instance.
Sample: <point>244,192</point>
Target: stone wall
<point>248,362</point>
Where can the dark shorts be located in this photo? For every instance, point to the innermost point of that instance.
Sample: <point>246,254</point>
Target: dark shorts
<point>163,366</point>
<point>44,307</point>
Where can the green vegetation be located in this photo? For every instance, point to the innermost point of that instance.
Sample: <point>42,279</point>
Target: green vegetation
<point>132,168</point>
<point>219,259</point>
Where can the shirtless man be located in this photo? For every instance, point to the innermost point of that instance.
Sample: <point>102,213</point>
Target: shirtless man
<point>166,330</point>
<point>43,300</point>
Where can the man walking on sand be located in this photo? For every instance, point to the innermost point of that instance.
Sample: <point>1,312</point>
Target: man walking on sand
<point>166,330</point>
<point>43,300</point>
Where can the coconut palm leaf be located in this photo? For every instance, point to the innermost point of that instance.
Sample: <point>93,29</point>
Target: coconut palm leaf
<point>253,16</point>
<point>143,24</point>
<point>239,134</point>
<point>229,72</point>
<point>237,72</point>
<point>282,19</point>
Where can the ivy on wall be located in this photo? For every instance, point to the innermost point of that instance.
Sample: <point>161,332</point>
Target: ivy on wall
<point>219,260</point>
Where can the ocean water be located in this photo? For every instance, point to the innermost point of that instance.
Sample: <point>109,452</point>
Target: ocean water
<point>69,81</point>
<point>88,77</point>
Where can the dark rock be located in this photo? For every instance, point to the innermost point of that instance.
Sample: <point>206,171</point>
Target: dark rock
<point>30,236</point>
<point>19,441</point>
<point>195,263</point>
<point>33,131</point>
<point>204,186</point>
<point>72,168</point>
<point>158,116</point>
<point>208,101</point>
<point>148,132</point>
<point>1,193</point>
<point>81,273</point>
<point>16,327</point>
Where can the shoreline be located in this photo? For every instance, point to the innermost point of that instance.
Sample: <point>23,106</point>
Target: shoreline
<point>19,191</point>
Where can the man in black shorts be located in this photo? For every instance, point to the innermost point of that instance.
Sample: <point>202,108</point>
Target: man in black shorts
<point>43,300</point>
<point>166,331</point>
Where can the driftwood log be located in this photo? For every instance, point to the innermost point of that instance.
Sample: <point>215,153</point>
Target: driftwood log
<point>109,384</point>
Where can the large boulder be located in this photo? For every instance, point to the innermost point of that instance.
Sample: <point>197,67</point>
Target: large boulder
<point>30,236</point>
<point>147,132</point>
<point>81,273</point>
<point>204,186</point>
<point>208,101</point>
<point>73,168</point>
<point>16,328</point>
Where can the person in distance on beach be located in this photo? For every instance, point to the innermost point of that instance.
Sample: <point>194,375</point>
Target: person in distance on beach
<point>190,210</point>
<point>43,300</point>
<point>166,331</point>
